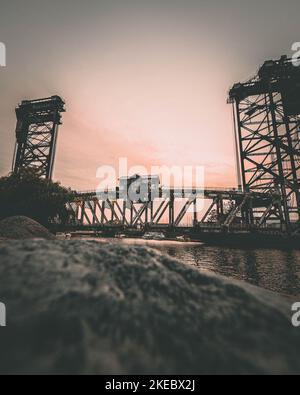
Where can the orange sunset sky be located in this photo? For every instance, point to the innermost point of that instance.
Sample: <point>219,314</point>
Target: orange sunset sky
<point>147,80</point>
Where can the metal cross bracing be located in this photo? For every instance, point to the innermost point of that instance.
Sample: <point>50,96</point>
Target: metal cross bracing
<point>172,208</point>
<point>267,125</point>
<point>267,130</point>
<point>36,134</point>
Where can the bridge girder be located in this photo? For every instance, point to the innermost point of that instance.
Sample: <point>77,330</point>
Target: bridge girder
<point>92,210</point>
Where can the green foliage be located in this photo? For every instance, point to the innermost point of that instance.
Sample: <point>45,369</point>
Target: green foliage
<point>29,195</point>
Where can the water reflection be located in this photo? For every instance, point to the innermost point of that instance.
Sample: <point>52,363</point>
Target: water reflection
<point>276,270</point>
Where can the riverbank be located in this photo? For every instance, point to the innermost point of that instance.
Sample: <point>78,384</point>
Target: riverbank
<point>22,228</point>
<point>249,239</point>
<point>85,307</point>
<point>245,239</point>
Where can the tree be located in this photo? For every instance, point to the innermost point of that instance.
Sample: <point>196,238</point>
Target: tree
<point>26,194</point>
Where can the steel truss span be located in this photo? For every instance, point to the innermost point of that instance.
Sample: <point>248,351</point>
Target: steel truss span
<point>36,134</point>
<point>267,125</point>
<point>170,209</point>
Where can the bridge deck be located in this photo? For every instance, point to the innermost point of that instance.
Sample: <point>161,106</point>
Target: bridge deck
<point>178,193</point>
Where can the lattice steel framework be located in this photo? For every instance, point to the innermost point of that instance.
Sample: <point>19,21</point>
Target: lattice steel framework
<point>170,209</point>
<point>36,134</point>
<point>267,121</point>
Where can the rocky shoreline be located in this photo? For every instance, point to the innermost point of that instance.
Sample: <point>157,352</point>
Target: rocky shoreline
<point>82,307</point>
<point>22,228</point>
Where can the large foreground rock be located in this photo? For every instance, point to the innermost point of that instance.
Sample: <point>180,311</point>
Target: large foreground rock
<point>20,228</point>
<point>82,307</point>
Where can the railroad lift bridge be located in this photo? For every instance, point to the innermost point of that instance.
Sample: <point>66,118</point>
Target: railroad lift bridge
<point>169,211</point>
<point>266,113</point>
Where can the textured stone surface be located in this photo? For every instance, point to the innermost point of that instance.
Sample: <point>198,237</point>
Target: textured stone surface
<point>20,228</point>
<point>82,307</point>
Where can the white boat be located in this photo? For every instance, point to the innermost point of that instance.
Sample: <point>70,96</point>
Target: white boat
<point>183,238</point>
<point>120,236</point>
<point>154,236</point>
<point>63,236</point>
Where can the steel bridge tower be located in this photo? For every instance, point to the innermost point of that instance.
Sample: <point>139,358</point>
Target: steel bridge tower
<point>36,134</point>
<point>267,127</point>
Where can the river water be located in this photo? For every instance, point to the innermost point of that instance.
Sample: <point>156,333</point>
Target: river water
<point>275,270</point>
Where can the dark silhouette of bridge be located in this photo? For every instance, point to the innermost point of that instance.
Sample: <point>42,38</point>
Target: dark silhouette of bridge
<point>267,127</point>
<point>228,209</point>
